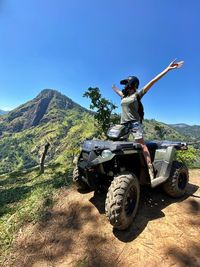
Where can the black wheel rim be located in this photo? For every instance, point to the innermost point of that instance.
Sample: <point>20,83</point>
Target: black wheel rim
<point>182,181</point>
<point>131,200</point>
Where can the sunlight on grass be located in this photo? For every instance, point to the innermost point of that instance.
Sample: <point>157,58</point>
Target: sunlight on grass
<point>24,197</point>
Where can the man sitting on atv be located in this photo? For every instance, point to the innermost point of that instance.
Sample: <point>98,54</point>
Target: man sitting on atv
<point>131,106</point>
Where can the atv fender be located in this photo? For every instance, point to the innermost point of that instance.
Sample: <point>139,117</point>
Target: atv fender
<point>166,166</point>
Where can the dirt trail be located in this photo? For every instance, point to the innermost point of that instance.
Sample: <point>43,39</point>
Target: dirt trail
<point>75,232</point>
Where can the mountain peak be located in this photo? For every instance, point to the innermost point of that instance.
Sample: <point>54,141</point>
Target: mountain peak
<point>59,100</point>
<point>48,105</point>
<point>48,92</point>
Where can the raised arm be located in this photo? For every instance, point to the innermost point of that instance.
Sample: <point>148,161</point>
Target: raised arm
<point>117,91</point>
<point>173,65</point>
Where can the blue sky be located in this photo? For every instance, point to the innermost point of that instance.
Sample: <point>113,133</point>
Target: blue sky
<point>72,45</point>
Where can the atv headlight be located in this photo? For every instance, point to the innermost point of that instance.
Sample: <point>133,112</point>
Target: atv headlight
<point>106,153</point>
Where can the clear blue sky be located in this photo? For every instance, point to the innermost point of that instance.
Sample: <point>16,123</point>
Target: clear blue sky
<point>72,45</point>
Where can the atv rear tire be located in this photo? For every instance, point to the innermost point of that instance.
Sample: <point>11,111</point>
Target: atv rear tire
<point>176,184</point>
<point>81,185</point>
<point>122,200</point>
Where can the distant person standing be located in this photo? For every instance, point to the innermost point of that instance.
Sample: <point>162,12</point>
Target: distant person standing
<point>131,115</point>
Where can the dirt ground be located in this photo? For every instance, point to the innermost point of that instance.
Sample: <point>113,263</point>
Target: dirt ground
<point>75,232</point>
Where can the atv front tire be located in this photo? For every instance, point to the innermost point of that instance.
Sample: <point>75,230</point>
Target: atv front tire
<point>176,184</point>
<point>81,185</point>
<point>122,200</point>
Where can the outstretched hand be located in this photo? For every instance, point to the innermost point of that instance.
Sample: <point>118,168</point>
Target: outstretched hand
<point>175,65</point>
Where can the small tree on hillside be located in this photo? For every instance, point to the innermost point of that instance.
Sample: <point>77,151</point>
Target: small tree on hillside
<point>160,131</point>
<point>103,108</point>
<point>43,156</point>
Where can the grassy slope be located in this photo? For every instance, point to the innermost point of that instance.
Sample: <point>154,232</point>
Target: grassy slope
<point>22,150</point>
<point>24,194</point>
<point>191,131</point>
<point>24,197</point>
<point>160,131</point>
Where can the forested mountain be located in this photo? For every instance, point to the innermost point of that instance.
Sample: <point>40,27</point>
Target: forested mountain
<point>192,132</point>
<point>48,106</point>
<point>160,131</point>
<point>55,118</point>
<point>51,117</point>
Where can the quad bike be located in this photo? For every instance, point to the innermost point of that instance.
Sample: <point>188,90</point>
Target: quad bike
<point>119,166</point>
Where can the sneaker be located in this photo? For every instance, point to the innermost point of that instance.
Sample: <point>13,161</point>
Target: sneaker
<point>151,171</point>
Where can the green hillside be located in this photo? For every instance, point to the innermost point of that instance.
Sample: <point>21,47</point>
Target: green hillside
<point>62,122</point>
<point>193,132</point>
<point>55,118</point>
<point>160,131</point>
